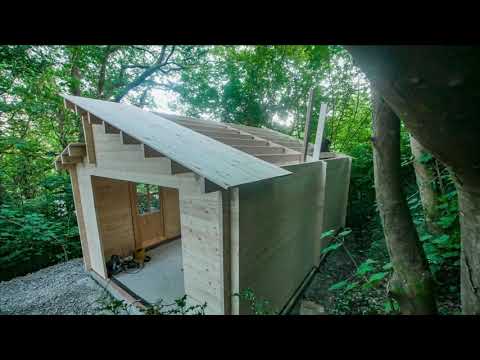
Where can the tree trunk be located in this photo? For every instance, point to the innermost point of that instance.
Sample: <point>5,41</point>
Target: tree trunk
<point>435,90</point>
<point>425,182</point>
<point>469,201</point>
<point>412,283</point>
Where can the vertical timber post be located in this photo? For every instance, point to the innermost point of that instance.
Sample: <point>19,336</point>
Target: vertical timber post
<point>306,133</point>
<point>320,127</point>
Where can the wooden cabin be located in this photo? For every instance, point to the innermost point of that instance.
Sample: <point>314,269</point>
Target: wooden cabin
<point>219,208</point>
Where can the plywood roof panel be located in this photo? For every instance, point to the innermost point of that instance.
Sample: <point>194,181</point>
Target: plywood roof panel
<point>221,164</point>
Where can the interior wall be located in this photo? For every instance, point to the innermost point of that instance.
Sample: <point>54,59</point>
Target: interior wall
<point>279,222</point>
<point>171,212</point>
<point>114,213</point>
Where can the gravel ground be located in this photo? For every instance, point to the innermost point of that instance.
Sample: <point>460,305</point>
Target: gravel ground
<point>62,289</point>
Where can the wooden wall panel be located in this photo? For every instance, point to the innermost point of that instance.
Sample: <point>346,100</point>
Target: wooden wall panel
<point>336,196</point>
<point>150,229</point>
<point>93,236</point>
<point>171,212</point>
<point>279,223</point>
<point>202,247</point>
<point>114,213</point>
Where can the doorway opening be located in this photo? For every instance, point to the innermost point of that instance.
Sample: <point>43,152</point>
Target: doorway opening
<point>141,238</point>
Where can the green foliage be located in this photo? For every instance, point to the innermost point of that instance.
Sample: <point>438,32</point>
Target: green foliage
<point>257,306</point>
<point>38,232</point>
<point>178,307</point>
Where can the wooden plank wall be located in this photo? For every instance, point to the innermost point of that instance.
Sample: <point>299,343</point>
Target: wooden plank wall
<point>200,215</point>
<point>279,222</point>
<point>171,211</point>
<point>336,196</point>
<point>202,247</point>
<point>114,213</point>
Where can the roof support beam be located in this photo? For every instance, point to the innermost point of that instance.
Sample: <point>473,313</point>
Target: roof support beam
<point>92,119</point>
<point>149,152</point>
<point>88,134</point>
<point>78,150</point>
<point>176,168</point>
<point>109,129</point>
<point>127,139</point>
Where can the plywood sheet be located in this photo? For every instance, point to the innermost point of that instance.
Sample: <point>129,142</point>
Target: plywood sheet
<point>114,214</point>
<point>221,164</point>
<point>279,223</point>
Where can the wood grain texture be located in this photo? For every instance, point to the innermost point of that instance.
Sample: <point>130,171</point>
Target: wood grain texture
<point>279,224</point>
<point>114,214</point>
<point>223,165</point>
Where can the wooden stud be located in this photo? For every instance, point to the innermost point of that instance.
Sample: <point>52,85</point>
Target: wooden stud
<point>306,134</point>
<point>319,136</point>
<point>80,218</point>
<point>89,141</point>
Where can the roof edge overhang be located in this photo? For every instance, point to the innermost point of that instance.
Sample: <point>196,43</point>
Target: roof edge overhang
<point>221,166</point>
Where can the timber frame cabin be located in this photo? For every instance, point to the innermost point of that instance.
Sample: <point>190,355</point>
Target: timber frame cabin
<point>245,209</point>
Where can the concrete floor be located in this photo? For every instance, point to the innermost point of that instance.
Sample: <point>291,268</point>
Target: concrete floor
<point>161,277</point>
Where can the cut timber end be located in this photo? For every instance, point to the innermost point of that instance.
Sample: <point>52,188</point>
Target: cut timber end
<point>77,150</point>
<point>70,160</point>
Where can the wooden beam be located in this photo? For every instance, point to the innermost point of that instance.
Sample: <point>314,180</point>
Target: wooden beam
<point>89,141</point>
<point>207,186</point>
<point>148,152</point>
<point>215,135</point>
<point>70,159</point>
<point>261,149</point>
<point>77,150</point>
<point>319,136</point>
<point>68,105</point>
<point>92,119</point>
<point>279,158</point>
<point>243,142</point>
<point>109,129</point>
<point>178,169</point>
<point>306,133</point>
<point>127,139</point>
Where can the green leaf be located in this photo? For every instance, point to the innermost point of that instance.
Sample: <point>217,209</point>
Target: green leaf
<point>331,248</point>
<point>387,266</point>
<point>338,285</point>
<point>377,276</point>
<point>345,233</point>
<point>327,234</point>
<point>351,286</point>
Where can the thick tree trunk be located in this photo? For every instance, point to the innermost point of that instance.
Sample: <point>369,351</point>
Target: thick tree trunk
<point>469,201</point>
<point>425,182</point>
<point>412,283</point>
<point>435,90</point>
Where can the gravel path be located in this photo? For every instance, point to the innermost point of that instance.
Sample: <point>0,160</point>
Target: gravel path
<point>62,289</point>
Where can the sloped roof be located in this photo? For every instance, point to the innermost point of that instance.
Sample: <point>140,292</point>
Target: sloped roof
<point>221,164</point>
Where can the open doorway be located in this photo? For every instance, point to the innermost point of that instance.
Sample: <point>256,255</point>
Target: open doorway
<point>141,238</point>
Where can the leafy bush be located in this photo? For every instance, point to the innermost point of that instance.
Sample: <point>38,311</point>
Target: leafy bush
<point>38,232</point>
